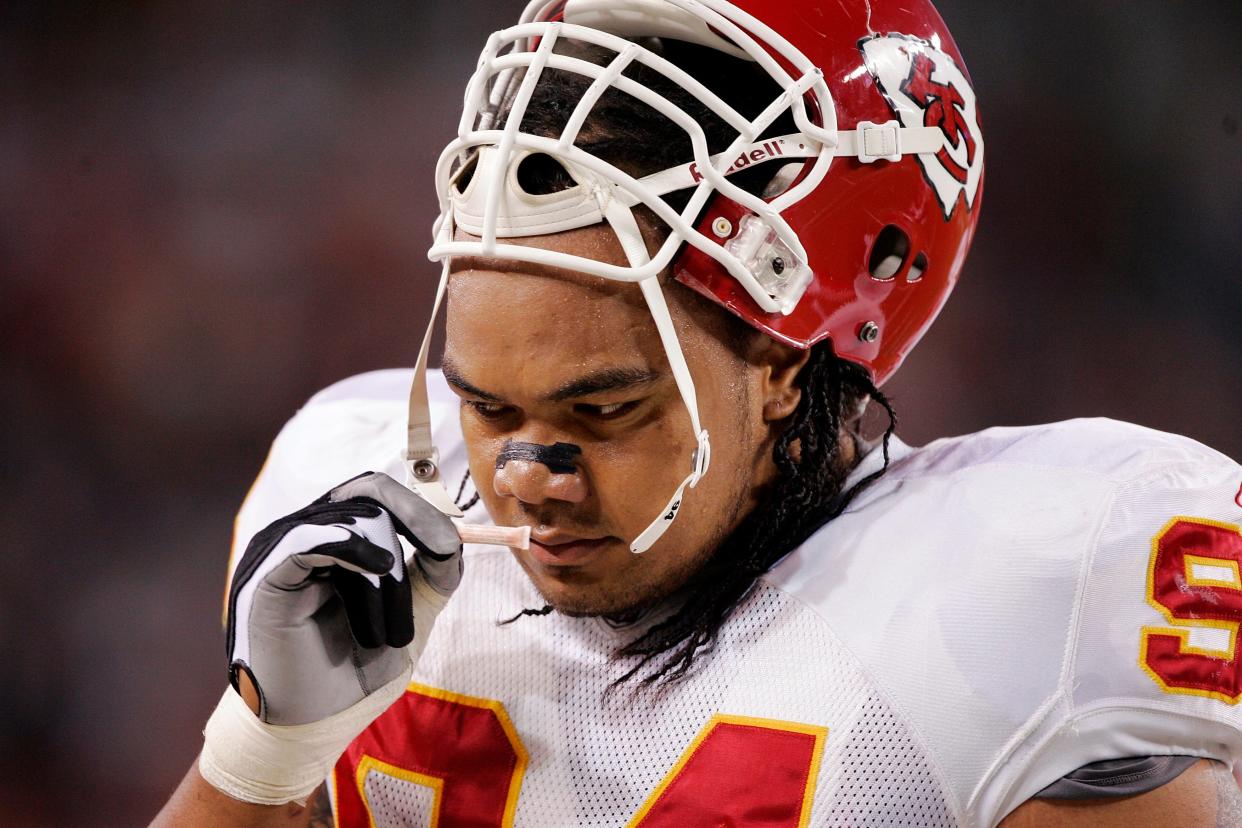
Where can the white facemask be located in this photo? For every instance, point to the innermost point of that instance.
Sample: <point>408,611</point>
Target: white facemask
<point>494,206</point>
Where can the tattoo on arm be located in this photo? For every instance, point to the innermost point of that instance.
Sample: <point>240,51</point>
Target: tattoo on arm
<point>1228,797</point>
<point>320,809</point>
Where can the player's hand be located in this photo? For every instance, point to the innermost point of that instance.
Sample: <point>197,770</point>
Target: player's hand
<point>321,608</point>
<point>325,620</point>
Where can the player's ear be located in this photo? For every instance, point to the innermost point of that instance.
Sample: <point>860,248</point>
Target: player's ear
<point>779,366</point>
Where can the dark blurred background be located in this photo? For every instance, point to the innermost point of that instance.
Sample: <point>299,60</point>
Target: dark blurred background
<point>208,211</point>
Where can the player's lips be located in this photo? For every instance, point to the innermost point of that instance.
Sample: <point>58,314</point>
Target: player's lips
<point>550,547</point>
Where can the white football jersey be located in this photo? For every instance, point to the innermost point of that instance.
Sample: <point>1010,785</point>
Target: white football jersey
<point>994,612</point>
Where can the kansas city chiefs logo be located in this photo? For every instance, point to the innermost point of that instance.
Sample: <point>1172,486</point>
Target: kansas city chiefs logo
<point>925,88</point>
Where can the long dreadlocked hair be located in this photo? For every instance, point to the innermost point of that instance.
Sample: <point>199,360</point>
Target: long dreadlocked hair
<point>807,492</point>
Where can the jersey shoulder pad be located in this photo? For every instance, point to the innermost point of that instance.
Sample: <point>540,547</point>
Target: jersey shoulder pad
<point>996,587</point>
<point>1098,445</point>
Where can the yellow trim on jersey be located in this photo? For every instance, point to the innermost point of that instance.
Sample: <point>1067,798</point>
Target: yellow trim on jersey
<point>370,763</point>
<point>808,796</point>
<point>1184,635</point>
<point>812,773</point>
<point>228,572</point>
<point>506,724</point>
<point>1182,626</point>
<point>1218,563</point>
<point>334,797</point>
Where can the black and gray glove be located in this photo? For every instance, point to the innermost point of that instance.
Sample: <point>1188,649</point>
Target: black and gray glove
<point>321,607</point>
<point>326,619</point>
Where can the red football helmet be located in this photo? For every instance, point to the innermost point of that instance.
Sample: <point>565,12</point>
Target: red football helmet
<point>858,239</point>
<point>878,86</point>
<point>875,291</point>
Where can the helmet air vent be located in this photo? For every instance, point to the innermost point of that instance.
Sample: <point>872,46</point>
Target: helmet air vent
<point>888,253</point>
<point>917,268</point>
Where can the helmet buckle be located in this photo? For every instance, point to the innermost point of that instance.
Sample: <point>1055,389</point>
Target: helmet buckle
<point>878,142</point>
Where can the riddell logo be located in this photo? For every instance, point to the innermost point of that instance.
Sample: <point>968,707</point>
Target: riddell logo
<point>769,150</point>
<point>925,88</point>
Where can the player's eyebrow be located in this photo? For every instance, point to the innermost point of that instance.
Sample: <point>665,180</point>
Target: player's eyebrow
<point>608,379</point>
<point>454,378</point>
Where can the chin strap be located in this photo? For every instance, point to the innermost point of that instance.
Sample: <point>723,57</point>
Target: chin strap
<point>422,460</point>
<point>623,223</point>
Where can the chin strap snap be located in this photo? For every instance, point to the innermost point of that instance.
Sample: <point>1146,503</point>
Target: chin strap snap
<point>702,458</point>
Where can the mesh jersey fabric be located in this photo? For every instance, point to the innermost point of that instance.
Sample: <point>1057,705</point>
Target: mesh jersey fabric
<point>967,632</point>
<point>595,757</point>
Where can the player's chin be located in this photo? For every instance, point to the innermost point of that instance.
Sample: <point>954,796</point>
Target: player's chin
<point>605,586</point>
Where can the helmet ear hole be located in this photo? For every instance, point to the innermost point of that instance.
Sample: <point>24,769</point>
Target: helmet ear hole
<point>783,180</point>
<point>888,253</point>
<point>917,268</point>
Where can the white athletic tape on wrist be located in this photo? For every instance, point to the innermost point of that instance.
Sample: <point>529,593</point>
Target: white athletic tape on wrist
<point>428,601</point>
<point>252,761</point>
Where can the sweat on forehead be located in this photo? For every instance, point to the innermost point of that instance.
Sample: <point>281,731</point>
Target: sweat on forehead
<point>495,314</point>
<point>581,323</point>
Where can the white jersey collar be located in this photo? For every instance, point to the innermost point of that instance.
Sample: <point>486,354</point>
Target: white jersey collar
<point>873,459</point>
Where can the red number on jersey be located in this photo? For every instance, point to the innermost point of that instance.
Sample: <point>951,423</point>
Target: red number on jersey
<point>1194,581</point>
<point>740,771</point>
<point>473,775</point>
<point>465,755</point>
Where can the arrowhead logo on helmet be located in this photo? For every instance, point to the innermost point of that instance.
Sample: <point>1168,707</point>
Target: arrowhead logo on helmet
<point>924,87</point>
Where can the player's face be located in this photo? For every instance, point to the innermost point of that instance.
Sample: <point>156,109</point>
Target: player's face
<point>540,357</point>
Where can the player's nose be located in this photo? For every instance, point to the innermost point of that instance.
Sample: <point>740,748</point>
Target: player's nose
<point>533,482</point>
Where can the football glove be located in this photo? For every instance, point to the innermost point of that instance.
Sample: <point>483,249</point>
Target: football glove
<point>325,620</point>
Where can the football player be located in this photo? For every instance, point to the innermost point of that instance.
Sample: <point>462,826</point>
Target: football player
<point>684,243</point>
